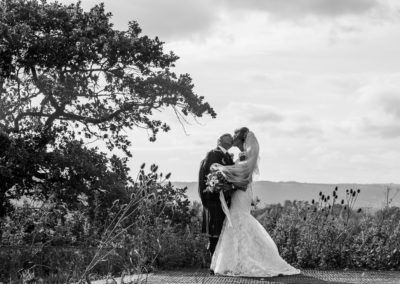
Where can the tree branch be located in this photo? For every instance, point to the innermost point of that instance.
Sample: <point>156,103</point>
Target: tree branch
<point>72,116</point>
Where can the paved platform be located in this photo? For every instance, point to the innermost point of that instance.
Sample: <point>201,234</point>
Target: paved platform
<point>307,276</point>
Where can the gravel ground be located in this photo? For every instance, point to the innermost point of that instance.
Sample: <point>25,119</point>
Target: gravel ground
<point>307,276</point>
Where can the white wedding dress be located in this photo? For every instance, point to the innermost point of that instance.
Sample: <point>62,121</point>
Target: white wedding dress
<point>245,248</point>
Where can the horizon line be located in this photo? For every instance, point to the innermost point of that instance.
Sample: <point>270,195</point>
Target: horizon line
<point>327,183</point>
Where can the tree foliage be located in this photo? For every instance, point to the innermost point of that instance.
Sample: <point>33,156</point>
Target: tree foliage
<point>68,70</point>
<point>152,226</point>
<point>66,75</point>
<point>70,174</point>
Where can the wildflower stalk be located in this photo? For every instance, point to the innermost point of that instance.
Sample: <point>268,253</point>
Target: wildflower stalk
<point>143,184</point>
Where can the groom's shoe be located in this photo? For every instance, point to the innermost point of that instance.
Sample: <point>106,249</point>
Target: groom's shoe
<point>211,272</point>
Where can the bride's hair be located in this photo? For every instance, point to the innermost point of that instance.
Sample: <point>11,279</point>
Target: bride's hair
<point>241,134</point>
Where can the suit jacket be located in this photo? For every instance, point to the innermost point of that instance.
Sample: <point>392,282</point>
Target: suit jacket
<point>213,216</point>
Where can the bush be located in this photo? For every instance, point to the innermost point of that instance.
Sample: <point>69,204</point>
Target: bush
<point>155,227</point>
<point>329,234</point>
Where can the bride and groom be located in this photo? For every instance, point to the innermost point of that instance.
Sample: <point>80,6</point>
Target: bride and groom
<point>238,243</point>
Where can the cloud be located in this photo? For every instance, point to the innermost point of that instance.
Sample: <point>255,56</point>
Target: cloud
<point>340,31</point>
<point>383,93</point>
<point>266,117</point>
<point>254,114</point>
<point>170,19</point>
<point>304,131</point>
<point>379,102</point>
<point>196,19</point>
<point>388,100</point>
<point>272,121</point>
<point>387,130</point>
<point>300,8</point>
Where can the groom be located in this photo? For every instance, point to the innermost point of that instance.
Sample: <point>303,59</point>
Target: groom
<point>213,216</point>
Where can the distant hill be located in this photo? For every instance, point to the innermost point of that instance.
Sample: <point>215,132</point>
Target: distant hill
<point>372,195</point>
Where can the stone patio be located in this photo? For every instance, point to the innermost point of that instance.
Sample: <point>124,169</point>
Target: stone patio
<point>307,276</point>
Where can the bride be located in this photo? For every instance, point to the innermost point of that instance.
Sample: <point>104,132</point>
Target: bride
<point>244,247</point>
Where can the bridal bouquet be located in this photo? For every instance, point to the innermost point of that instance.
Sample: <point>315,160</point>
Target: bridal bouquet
<point>216,182</point>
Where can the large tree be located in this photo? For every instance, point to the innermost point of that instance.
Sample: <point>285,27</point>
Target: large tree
<point>67,75</point>
<point>66,70</point>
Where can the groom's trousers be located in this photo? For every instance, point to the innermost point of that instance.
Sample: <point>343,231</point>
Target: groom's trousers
<point>212,244</point>
<point>213,220</point>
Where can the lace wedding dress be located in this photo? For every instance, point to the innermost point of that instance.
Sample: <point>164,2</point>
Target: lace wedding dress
<point>244,247</point>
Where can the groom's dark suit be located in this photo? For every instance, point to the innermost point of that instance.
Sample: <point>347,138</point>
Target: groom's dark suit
<point>213,216</point>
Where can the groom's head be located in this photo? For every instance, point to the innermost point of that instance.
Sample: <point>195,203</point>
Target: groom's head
<point>225,141</point>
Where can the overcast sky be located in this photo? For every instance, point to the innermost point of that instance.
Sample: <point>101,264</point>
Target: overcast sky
<point>318,81</point>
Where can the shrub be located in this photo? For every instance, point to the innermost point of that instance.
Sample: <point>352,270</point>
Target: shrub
<point>331,234</point>
<point>156,227</point>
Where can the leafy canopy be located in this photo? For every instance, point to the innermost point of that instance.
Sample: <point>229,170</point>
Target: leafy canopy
<point>67,74</point>
<point>67,71</point>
